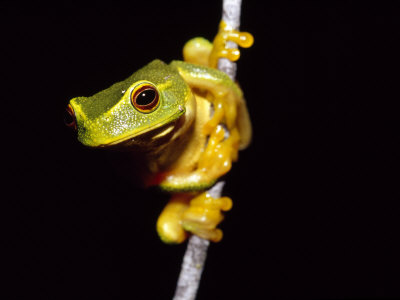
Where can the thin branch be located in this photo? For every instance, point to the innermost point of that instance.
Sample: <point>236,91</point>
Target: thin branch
<point>196,251</point>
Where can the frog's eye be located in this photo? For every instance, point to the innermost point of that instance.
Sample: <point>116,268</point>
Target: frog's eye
<point>69,117</point>
<point>145,98</point>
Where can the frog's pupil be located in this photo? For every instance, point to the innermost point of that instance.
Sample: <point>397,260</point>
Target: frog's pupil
<point>146,97</point>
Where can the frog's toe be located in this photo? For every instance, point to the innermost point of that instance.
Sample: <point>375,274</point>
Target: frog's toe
<point>230,53</point>
<point>204,215</point>
<point>214,235</point>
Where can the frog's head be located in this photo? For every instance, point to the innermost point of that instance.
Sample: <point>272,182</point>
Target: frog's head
<point>150,100</point>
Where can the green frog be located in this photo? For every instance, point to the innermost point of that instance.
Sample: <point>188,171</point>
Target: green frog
<point>184,121</point>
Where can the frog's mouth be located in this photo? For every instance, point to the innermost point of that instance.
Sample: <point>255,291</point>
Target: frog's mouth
<point>152,135</point>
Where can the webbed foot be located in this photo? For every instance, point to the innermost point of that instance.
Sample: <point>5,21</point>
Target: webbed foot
<point>199,215</point>
<point>204,214</point>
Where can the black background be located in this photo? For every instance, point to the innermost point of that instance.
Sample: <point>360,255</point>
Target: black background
<point>315,196</point>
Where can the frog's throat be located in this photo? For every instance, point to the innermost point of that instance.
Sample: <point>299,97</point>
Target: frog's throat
<point>169,125</point>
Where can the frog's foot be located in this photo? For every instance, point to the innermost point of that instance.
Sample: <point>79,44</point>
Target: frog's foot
<point>216,160</point>
<point>204,214</point>
<point>220,49</point>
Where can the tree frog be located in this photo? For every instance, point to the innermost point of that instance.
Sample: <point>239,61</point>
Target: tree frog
<point>184,121</point>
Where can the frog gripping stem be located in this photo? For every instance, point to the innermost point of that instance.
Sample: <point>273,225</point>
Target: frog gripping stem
<point>196,251</point>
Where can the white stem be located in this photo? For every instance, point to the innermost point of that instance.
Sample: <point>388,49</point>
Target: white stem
<point>196,251</point>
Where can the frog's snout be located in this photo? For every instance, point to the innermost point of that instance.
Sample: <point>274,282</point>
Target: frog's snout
<point>69,117</point>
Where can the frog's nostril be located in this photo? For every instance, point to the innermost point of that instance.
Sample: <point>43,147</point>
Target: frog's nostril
<point>69,117</point>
